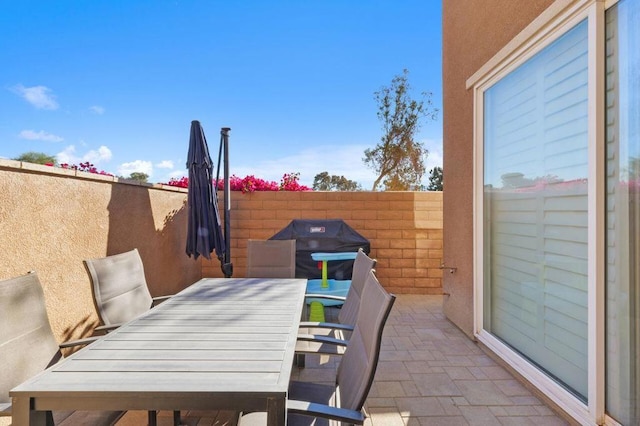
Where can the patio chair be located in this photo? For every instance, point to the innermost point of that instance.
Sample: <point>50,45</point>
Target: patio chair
<point>349,311</point>
<point>28,346</point>
<point>347,315</point>
<point>271,259</point>
<point>120,294</point>
<point>120,291</point>
<point>315,403</point>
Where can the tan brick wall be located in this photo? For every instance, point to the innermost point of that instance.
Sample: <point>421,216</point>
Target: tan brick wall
<point>404,228</point>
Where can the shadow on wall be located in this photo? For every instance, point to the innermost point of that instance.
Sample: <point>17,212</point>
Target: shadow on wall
<point>161,245</point>
<point>85,327</point>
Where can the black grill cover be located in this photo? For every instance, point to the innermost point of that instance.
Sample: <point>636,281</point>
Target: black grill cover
<point>326,236</point>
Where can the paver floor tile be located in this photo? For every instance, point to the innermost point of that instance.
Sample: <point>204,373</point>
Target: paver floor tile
<point>385,417</point>
<point>512,387</point>
<point>443,421</point>
<point>419,407</point>
<point>436,385</point>
<point>479,416</point>
<point>482,392</point>
<point>429,374</point>
<point>459,373</point>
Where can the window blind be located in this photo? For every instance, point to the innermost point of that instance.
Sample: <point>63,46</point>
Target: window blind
<point>535,253</point>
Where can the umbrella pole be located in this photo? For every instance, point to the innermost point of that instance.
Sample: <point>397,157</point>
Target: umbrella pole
<point>227,266</point>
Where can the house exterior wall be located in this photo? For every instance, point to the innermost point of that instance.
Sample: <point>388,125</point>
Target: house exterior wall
<point>51,219</point>
<point>472,32</point>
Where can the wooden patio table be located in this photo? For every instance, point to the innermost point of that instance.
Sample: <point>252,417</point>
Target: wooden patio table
<point>220,344</point>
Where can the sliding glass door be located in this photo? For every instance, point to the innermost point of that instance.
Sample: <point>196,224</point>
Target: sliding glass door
<point>558,209</point>
<point>535,209</point>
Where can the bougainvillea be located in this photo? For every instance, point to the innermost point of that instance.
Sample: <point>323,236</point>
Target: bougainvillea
<point>82,167</point>
<point>251,183</point>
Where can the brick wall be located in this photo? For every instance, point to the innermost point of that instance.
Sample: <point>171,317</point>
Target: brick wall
<point>404,228</point>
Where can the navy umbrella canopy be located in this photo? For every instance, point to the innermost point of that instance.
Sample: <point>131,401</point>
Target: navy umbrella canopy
<point>204,232</point>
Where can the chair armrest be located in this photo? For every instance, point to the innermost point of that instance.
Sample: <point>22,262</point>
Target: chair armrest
<point>5,409</point>
<point>79,342</point>
<point>324,296</point>
<point>107,328</point>
<point>332,325</point>
<point>160,299</point>
<point>322,339</point>
<point>319,410</point>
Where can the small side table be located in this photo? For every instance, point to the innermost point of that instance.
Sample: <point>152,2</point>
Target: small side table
<point>327,257</point>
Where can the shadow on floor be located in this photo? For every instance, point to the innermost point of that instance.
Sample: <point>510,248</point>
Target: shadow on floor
<point>429,374</point>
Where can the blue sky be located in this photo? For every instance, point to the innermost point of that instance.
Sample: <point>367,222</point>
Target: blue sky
<point>117,82</point>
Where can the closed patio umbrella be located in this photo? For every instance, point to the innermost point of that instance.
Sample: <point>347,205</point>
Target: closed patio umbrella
<point>204,232</point>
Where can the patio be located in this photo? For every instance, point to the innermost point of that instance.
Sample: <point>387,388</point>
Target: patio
<point>429,373</point>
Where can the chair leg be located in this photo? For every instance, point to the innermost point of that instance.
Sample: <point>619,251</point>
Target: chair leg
<point>176,418</point>
<point>152,417</point>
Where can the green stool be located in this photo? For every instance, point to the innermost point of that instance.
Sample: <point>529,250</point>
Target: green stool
<point>316,311</point>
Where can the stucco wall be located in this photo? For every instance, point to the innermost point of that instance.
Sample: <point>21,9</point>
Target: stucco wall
<point>404,229</point>
<point>51,220</point>
<point>473,31</point>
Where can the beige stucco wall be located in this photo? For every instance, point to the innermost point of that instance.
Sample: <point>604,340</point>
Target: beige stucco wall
<point>51,220</point>
<point>473,31</point>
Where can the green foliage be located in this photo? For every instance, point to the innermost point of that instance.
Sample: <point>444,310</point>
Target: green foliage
<point>435,179</point>
<point>37,158</point>
<point>325,182</point>
<point>139,176</point>
<point>399,159</point>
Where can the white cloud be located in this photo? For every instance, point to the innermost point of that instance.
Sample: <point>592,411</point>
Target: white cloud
<point>166,164</point>
<point>178,173</point>
<point>435,154</point>
<point>68,156</point>
<point>103,154</point>
<point>97,109</point>
<point>95,157</point>
<point>175,174</point>
<point>32,135</point>
<point>139,166</point>
<point>38,96</point>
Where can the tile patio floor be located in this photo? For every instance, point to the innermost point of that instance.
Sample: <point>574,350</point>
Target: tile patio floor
<point>429,374</point>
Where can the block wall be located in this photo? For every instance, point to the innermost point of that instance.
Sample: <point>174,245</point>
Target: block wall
<point>404,228</point>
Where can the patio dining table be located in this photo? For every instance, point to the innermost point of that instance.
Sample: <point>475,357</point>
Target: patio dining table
<point>220,344</point>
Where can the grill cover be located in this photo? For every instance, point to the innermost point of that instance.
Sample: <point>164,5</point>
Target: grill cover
<point>326,236</point>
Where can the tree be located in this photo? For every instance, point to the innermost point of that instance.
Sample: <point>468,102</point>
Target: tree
<point>324,182</point>
<point>399,159</point>
<point>37,158</point>
<point>139,176</point>
<point>435,179</point>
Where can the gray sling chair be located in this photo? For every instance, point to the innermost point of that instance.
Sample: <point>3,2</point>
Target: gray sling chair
<point>271,259</point>
<point>347,316</point>
<point>321,404</point>
<point>120,294</point>
<point>120,291</point>
<point>28,346</point>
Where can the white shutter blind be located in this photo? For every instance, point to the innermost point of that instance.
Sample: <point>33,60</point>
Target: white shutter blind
<point>535,153</point>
